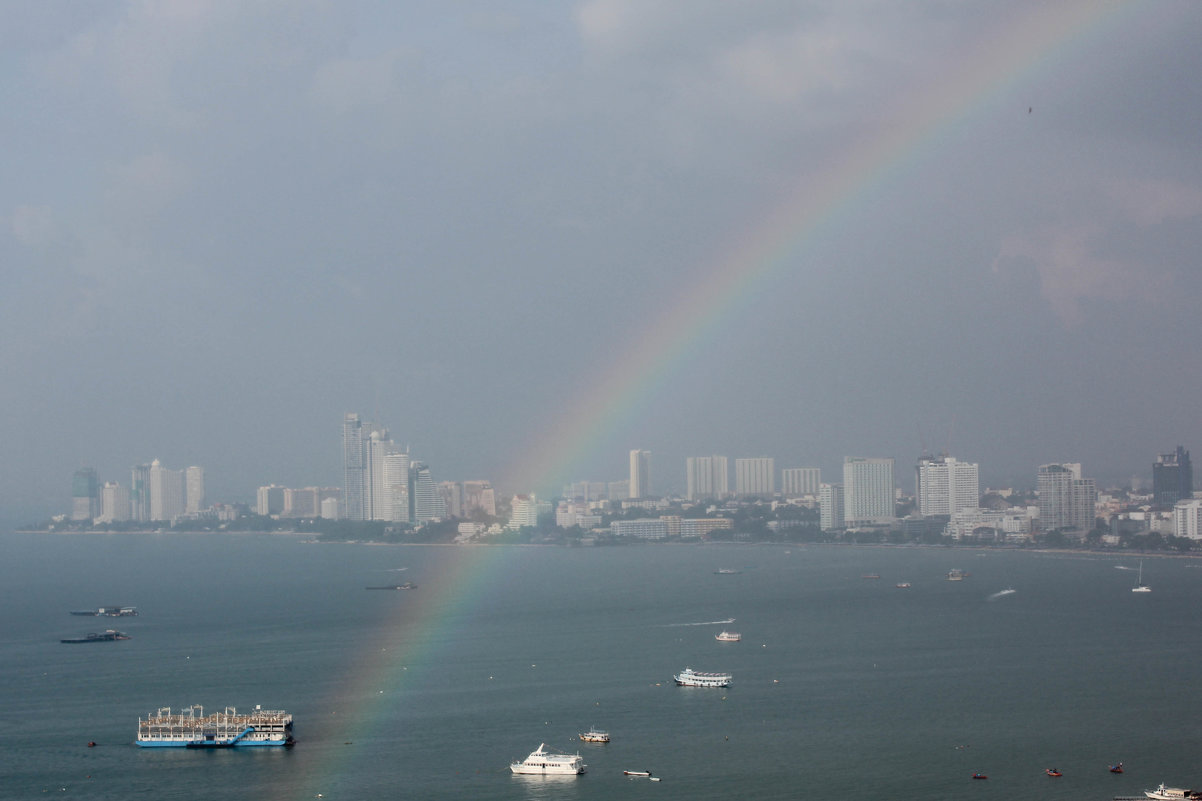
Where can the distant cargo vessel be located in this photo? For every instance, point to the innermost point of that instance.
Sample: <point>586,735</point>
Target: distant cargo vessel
<point>108,636</point>
<point>191,728</point>
<point>108,611</point>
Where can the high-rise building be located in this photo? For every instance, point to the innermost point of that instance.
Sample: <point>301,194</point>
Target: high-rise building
<point>394,476</point>
<point>479,496</point>
<point>166,492</point>
<point>830,506</point>
<point>1066,501</point>
<point>795,481</point>
<point>618,490</point>
<point>139,493</point>
<point>755,476</point>
<point>425,503</point>
<point>85,494</point>
<point>868,490</point>
<point>706,477</point>
<point>114,503</point>
<point>271,500</point>
<point>944,486</point>
<point>354,469</point>
<point>1172,478</point>
<point>523,511</point>
<point>640,474</point>
<point>194,489</point>
<point>451,493</point>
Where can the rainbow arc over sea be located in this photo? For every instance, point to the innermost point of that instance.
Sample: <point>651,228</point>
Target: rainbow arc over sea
<point>1033,38</point>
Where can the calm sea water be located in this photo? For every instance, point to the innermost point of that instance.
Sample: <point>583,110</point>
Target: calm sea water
<point>844,686</point>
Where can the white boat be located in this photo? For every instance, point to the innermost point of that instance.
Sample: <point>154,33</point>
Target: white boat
<point>955,574</point>
<point>1163,793</point>
<point>692,678</point>
<point>594,735</point>
<point>728,636</point>
<point>1139,584</point>
<point>542,762</point>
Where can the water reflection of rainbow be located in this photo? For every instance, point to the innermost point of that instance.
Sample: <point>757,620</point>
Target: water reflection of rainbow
<point>1020,48</point>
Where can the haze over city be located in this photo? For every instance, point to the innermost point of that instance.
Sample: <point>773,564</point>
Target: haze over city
<point>531,237</point>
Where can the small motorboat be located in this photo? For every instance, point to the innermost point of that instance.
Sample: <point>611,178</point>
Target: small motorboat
<point>646,774</point>
<point>1053,772</point>
<point>1116,768</point>
<point>979,776</point>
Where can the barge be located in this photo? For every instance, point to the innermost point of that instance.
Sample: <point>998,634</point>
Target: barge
<point>191,728</point>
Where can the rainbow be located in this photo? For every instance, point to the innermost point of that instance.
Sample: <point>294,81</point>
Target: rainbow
<point>585,425</point>
<point>1032,39</point>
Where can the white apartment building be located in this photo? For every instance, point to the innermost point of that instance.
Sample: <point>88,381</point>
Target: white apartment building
<point>640,474</point>
<point>830,507</point>
<point>1187,519</point>
<point>944,486</point>
<point>755,476</point>
<point>868,490</point>
<point>706,477</point>
<point>795,481</point>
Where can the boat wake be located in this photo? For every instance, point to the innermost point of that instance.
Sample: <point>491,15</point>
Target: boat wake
<point>703,623</point>
<point>1123,567</point>
<point>394,569</point>
<point>1002,594</point>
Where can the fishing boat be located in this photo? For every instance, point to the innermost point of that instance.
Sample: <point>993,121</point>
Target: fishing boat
<point>595,735</point>
<point>542,762</point>
<point>1139,583</point>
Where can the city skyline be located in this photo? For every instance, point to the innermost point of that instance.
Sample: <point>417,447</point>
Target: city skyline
<point>534,237</point>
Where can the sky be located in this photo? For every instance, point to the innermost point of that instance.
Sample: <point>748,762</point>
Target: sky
<point>529,237</point>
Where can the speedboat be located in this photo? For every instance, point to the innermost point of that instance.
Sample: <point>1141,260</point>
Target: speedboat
<point>542,762</point>
<point>1163,793</point>
<point>1053,772</point>
<point>1116,768</point>
<point>979,776</point>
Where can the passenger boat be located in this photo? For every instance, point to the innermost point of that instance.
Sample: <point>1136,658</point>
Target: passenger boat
<point>1163,793</point>
<point>542,762</point>
<point>108,636</point>
<point>594,735</point>
<point>692,678</point>
<point>728,636</point>
<point>191,728</point>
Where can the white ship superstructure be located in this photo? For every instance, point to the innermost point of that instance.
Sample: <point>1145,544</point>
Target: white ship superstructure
<point>542,762</point>
<point>191,728</point>
<point>692,678</point>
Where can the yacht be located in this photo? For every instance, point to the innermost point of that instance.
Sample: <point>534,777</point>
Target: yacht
<point>542,762</point>
<point>1139,584</point>
<point>728,636</point>
<point>1163,793</point>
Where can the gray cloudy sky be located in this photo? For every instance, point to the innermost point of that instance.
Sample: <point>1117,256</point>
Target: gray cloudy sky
<point>225,224</point>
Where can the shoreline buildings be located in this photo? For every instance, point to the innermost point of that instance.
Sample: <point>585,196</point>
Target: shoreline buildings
<point>868,490</point>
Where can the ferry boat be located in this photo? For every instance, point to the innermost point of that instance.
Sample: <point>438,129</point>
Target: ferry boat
<point>108,611</point>
<point>1163,793</point>
<point>692,678</point>
<point>108,636</point>
<point>595,735</point>
<point>191,728</point>
<point>542,762</point>
<point>728,636</point>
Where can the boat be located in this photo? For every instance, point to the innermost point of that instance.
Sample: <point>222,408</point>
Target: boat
<point>108,611</point>
<point>408,585</point>
<point>542,762</point>
<point>1139,583</point>
<point>1163,793</point>
<point>979,776</point>
<point>637,773</point>
<point>692,678</point>
<point>726,571</point>
<point>191,728</point>
<point>109,635</point>
<point>871,576</point>
<point>956,574</point>
<point>905,585</point>
<point>1053,772</point>
<point>1116,768</point>
<point>728,636</point>
<point>595,735</point>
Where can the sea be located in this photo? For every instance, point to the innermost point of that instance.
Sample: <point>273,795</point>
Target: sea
<point>845,684</point>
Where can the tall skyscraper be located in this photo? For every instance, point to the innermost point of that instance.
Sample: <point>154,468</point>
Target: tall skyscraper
<point>424,501</point>
<point>479,496</point>
<point>944,486</point>
<point>706,477</point>
<point>166,492</point>
<point>795,481</point>
<point>868,489</point>
<point>756,476</point>
<point>830,506</point>
<point>85,494</point>
<point>139,492</point>
<point>194,489</point>
<point>640,474</point>
<point>114,503</point>
<point>1066,501</point>
<point>354,469</point>
<point>1172,478</point>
